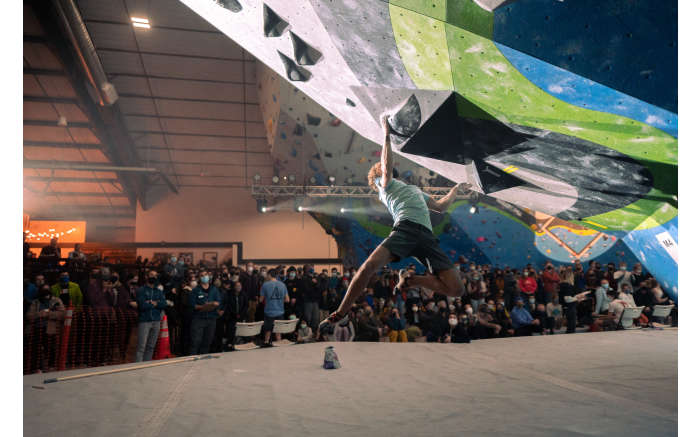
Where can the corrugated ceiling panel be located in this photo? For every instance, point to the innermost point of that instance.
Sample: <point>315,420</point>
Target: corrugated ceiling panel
<point>105,10</point>
<point>113,36</point>
<point>136,105</point>
<point>95,156</point>
<point>131,85</point>
<point>39,56</point>
<point>118,62</point>
<point>31,24</point>
<point>170,41</point>
<point>31,86</point>
<point>223,111</point>
<point>193,68</point>
<point>83,135</point>
<point>197,90</point>
<point>203,127</point>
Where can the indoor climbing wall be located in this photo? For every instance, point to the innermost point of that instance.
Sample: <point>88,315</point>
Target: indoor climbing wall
<point>567,108</point>
<point>488,236</point>
<point>310,142</point>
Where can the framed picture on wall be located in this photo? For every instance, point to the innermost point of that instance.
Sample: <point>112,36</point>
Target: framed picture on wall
<point>187,257</point>
<point>210,259</point>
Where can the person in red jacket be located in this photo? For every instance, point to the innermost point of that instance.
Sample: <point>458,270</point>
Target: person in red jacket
<point>527,284</point>
<point>550,280</point>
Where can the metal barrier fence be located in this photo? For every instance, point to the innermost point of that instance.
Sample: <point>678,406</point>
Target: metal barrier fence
<point>78,337</point>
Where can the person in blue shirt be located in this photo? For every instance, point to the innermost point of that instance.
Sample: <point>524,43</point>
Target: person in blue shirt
<point>151,301</point>
<point>522,321</point>
<point>205,300</point>
<point>411,236</point>
<point>274,294</point>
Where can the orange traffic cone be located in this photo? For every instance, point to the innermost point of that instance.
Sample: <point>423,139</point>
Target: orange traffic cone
<point>163,345</point>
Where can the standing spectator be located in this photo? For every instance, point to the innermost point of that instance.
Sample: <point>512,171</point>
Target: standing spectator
<point>622,276</point>
<point>205,301</point>
<point>592,280</point>
<point>44,313</point>
<point>368,328</point>
<point>150,303</point>
<point>274,295</point>
<point>77,254</point>
<point>311,295</point>
<point>527,284</point>
<point>293,288</point>
<point>523,323</point>
<point>224,316</point>
<point>69,292</point>
<point>51,253</point>
<point>238,308</point>
<point>476,289</point>
<point>609,275</point>
<point>251,288</point>
<point>550,280</point>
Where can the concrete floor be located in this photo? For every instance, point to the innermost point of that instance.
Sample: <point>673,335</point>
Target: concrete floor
<point>610,383</point>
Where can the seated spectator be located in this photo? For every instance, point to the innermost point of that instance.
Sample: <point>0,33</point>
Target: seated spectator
<point>69,292</point>
<point>502,317</point>
<point>555,317</point>
<point>540,314</point>
<point>523,323</point>
<point>486,326</point>
<point>625,294</point>
<point>397,327</point>
<point>602,301</point>
<point>304,333</point>
<point>611,320</point>
<point>345,329</point>
<point>368,328</point>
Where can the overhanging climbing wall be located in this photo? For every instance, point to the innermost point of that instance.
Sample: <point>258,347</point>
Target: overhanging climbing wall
<point>564,107</point>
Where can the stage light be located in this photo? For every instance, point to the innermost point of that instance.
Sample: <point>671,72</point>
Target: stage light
<point>473,209</point>
<point>263,209</point>
<point>312,180</point>
<point>342,210</point>
<point>275,179</point>
<point>262,205</point>
<point>257,177</point>
<point>331,179</point>
<point>292,178</point>
<point>300,208</point>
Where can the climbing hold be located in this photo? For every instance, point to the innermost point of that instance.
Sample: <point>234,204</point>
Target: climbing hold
<point>313,121</point>
<point>295,72</point>
<point>273,24</point>
<point>349,102</point>
<point>335,122</point>
<point>231,5</point>
<point>304,54</point>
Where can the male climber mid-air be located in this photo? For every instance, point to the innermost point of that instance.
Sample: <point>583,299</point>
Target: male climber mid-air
<point>411,236</point>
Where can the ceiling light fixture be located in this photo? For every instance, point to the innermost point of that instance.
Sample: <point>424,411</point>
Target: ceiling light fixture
<point>143,23</point>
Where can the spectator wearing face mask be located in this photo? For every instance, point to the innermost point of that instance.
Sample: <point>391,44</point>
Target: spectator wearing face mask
<point>44,314</point>
<point>527,284</point>
<point>502,318</point>
<point>205,299</point>
<point>602,301</point>
<point>522,320</point>
<point>251,283</point>
<point>151,302</point>
<point>626,295</point>
<point>622,276</point>
<point>293,288</point>
<point>304,333</point>
<point>458,331</point>
<point>397,327</point>
<point>69,292</point>
<point>476,289</point>
<point>30,290</point>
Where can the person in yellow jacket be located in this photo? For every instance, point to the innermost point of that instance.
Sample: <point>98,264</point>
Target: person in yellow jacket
<point>69,292</point>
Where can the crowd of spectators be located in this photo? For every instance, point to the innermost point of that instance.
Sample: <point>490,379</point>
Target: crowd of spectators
<point>204,304</point>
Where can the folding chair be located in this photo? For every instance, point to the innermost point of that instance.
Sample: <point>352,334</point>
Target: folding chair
<point>628,316</point>
<point>660,312</point>
<point>248,330</point>
<point>284,327</point>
